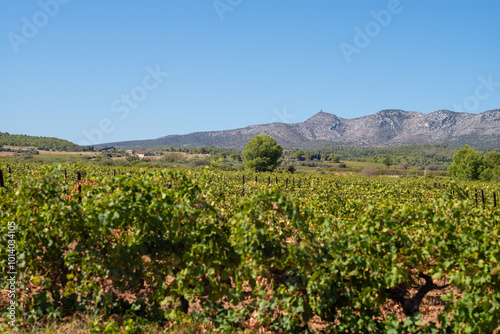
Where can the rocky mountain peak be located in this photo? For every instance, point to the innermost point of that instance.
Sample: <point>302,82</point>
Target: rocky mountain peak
<point>445,112</point>
<point>322,117</point>
<point>395,113</point>
<point>391,112</point>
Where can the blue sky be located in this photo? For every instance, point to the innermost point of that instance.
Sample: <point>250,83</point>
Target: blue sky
<point>110,70</point>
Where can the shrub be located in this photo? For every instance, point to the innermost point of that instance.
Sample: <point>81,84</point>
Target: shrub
<point>196,162</point>
<point>166,159</point>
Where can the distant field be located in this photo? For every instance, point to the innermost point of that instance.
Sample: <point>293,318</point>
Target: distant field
<point>42,152</point>
<point>356,167</point>
<point>361,164</point>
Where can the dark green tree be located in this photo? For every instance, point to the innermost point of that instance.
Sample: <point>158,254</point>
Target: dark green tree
<point>261,153</point>
<point>388,161</point>
<point>490,170</point>
<point>467,164</point>
<point>335,158</point>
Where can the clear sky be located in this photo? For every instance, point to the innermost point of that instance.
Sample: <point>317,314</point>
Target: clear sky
<point>98,71</point>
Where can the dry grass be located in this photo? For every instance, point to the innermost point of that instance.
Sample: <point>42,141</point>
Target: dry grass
<point>42,152</point>
<point>370,171</point>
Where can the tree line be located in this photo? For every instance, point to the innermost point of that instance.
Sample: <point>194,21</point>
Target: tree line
<point>410,155</point>
<point>469,164</point>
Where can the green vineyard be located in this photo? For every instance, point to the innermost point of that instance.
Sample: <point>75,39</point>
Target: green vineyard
<point>235,251</point>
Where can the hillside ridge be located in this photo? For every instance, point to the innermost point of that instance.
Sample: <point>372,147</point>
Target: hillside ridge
<point>388,127</point>
<point>40,142</point>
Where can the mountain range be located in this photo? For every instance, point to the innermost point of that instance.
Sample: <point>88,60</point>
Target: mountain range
<point>390,127</point>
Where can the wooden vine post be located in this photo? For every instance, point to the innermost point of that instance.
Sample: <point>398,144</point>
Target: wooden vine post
<point>79,177</point>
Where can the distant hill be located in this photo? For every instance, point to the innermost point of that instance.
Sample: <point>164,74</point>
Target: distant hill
<point>392,127</point>
<point>42,143</point>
